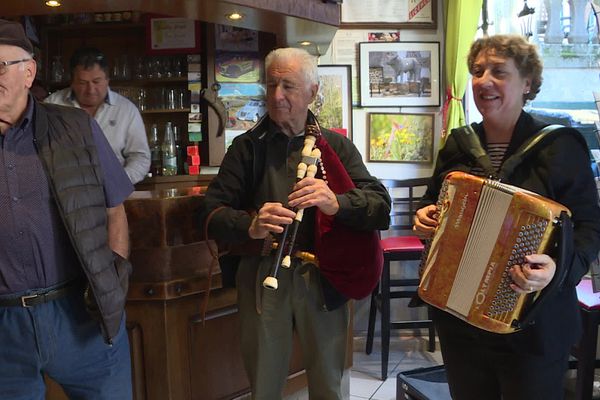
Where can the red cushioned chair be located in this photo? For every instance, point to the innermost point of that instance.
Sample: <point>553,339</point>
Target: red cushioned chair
<point>399,244</point>
<point>585,351</point>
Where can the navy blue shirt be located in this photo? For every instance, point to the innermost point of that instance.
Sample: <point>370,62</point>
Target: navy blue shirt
<point>35,250</point>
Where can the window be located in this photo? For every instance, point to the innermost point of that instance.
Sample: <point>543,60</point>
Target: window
<point>568,40</point>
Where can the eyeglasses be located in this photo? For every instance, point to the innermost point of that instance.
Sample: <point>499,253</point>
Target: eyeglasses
<point>5,64</point>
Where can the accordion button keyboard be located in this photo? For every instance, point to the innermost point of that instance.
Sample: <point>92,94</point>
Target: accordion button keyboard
<point>526,242</point>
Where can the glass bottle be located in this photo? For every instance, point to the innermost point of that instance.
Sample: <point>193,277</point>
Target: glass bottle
<point>169,155</point>
<point>125,68</point>
<point>178,150</point>
<point>116,69</point>
<point>141,99</point>
<point>155,152</point>
<point>177,67</point>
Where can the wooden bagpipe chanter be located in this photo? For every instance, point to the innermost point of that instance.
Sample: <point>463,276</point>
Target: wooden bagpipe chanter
<point>486,227</point>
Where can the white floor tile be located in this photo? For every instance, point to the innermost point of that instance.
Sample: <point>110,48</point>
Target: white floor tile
<point>387,391</point>
<point>406,353</point>
<point>363,385</point>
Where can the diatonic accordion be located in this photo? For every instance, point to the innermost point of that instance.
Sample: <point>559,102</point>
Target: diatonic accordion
<point>485,227</point>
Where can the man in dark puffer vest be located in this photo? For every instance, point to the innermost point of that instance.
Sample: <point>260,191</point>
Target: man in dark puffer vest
<point>63,243</point>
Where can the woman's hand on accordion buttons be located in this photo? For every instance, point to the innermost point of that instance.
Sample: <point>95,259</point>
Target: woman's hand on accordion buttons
<point>270,218</point>
<point>534,275</point>
<point>312,192</point>
<point>426,220</point>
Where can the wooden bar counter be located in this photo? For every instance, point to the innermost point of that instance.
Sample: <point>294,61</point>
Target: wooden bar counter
<point>176,354</point>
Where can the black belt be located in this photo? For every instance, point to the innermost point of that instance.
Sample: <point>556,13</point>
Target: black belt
<point>33,299</point>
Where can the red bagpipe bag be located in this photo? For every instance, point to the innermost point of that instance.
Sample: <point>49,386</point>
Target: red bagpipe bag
<point>351,260</point>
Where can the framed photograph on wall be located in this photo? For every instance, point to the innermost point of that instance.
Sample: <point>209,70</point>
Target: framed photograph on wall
<point>399,74</point>
<point>399,137</point>
<point>333,104</point>
<point>238,67</point>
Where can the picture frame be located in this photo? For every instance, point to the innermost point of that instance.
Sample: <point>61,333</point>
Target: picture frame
<point>385,14</point>
<point>245,104</point>
<point>400,137</point>
<point>166,35</point>
<point>233,38</point>
<point>399,74</point>
<point>238,67</point>
<point>333,103</point>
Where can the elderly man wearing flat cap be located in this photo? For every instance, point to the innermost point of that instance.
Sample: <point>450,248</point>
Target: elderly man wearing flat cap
<point>63,243</point>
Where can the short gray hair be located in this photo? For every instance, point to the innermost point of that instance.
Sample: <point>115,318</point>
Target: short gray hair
<point>308,62</point>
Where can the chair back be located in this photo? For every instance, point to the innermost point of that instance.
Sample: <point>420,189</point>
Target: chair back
<point>406,195</point>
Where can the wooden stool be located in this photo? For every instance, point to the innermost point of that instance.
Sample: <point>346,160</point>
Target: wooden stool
<point>585,351</point>
<point>397,248</point>
<point>400,245</point>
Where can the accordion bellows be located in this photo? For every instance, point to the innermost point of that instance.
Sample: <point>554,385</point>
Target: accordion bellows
<point>485,227</point>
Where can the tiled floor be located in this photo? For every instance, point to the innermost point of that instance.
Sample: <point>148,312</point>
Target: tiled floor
<point>365,383</point>
<point>406,353</point>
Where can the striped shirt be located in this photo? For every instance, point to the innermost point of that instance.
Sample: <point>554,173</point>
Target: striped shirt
<point>496,152</point>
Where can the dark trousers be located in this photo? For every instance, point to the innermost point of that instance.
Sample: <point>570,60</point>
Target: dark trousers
<point>478,369</point>
<point>268,320</point>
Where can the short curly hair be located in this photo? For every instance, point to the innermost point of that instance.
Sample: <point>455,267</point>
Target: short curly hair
<point>524,54</point>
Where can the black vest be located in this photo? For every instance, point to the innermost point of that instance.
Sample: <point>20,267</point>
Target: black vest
<point>64,142</point>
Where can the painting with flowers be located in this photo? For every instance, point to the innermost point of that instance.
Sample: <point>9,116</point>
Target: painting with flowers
<point>397,137</point>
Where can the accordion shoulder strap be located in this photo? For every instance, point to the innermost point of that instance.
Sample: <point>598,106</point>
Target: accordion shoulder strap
<point>527,148</point>
<point>469,143</point>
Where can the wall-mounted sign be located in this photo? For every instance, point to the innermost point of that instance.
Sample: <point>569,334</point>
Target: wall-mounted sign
<point>173,35</point>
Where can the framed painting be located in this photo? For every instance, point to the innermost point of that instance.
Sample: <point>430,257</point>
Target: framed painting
<point>399,74</point>
<point>399,137</point>
<point>333,104</point>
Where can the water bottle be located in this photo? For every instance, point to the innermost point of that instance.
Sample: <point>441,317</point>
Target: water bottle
<point>169,154</point>
<point>155,152</point>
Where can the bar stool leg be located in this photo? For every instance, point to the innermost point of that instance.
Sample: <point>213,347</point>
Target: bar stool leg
<point>431,330</point>
<point>586,355</point>
<point>372,318</point>
<point>385,318</point>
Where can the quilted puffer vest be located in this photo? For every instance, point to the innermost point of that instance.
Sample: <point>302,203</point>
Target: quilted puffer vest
<point>64,142</point>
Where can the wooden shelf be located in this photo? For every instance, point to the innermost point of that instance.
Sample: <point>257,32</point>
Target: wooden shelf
<point>146,82</point>
<point>165,111</point>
